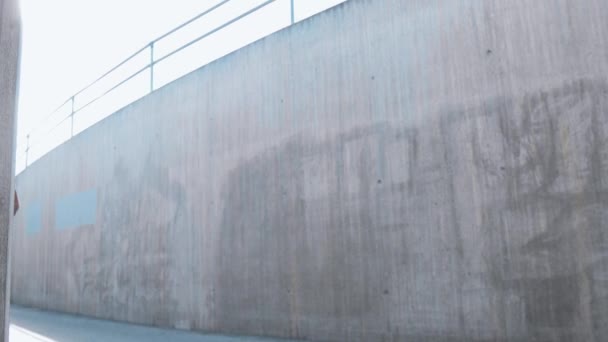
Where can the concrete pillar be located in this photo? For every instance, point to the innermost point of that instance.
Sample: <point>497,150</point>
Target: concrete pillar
<point>9,62</point>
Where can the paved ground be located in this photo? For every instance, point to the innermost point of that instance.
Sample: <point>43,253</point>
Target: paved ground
<point>29,325</point>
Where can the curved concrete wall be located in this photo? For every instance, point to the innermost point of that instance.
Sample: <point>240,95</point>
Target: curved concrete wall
<point>10,38</point>
<point>387,170</point>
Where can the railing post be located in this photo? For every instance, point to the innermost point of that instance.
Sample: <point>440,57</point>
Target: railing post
<point>27,150</point>
<point>293,17</point>
<point>151,66</point>
<point>72,120</point>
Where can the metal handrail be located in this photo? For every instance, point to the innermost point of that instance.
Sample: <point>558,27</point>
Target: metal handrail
<point>215,30</point>
<point>153,61</point>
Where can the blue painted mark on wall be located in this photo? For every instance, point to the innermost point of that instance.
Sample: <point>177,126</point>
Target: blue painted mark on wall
<point>33,218</point>
<point>76,210</point>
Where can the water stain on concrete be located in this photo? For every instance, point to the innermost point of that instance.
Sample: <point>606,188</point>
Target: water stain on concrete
<point>308,231</point>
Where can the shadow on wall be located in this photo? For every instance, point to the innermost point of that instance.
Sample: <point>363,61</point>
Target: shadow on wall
<point>489,223</point>
<point>555,179</point>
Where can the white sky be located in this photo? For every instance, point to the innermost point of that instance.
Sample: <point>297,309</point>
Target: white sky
<point>69,43</point>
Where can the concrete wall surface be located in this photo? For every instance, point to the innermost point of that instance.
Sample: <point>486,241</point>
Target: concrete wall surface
<point>10,39</point>
<point>388,170</point>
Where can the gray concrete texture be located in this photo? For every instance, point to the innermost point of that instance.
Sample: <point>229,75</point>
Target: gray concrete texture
<point>388,170</point>
<point>10,39</point>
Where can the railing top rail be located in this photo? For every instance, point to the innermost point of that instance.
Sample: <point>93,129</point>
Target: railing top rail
<point>230,22</point>
<point>107,73</point>
<point>179,27</point>
<point>134,54</point>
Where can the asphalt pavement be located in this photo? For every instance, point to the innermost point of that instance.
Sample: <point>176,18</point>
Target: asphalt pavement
<point>30,325</point>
